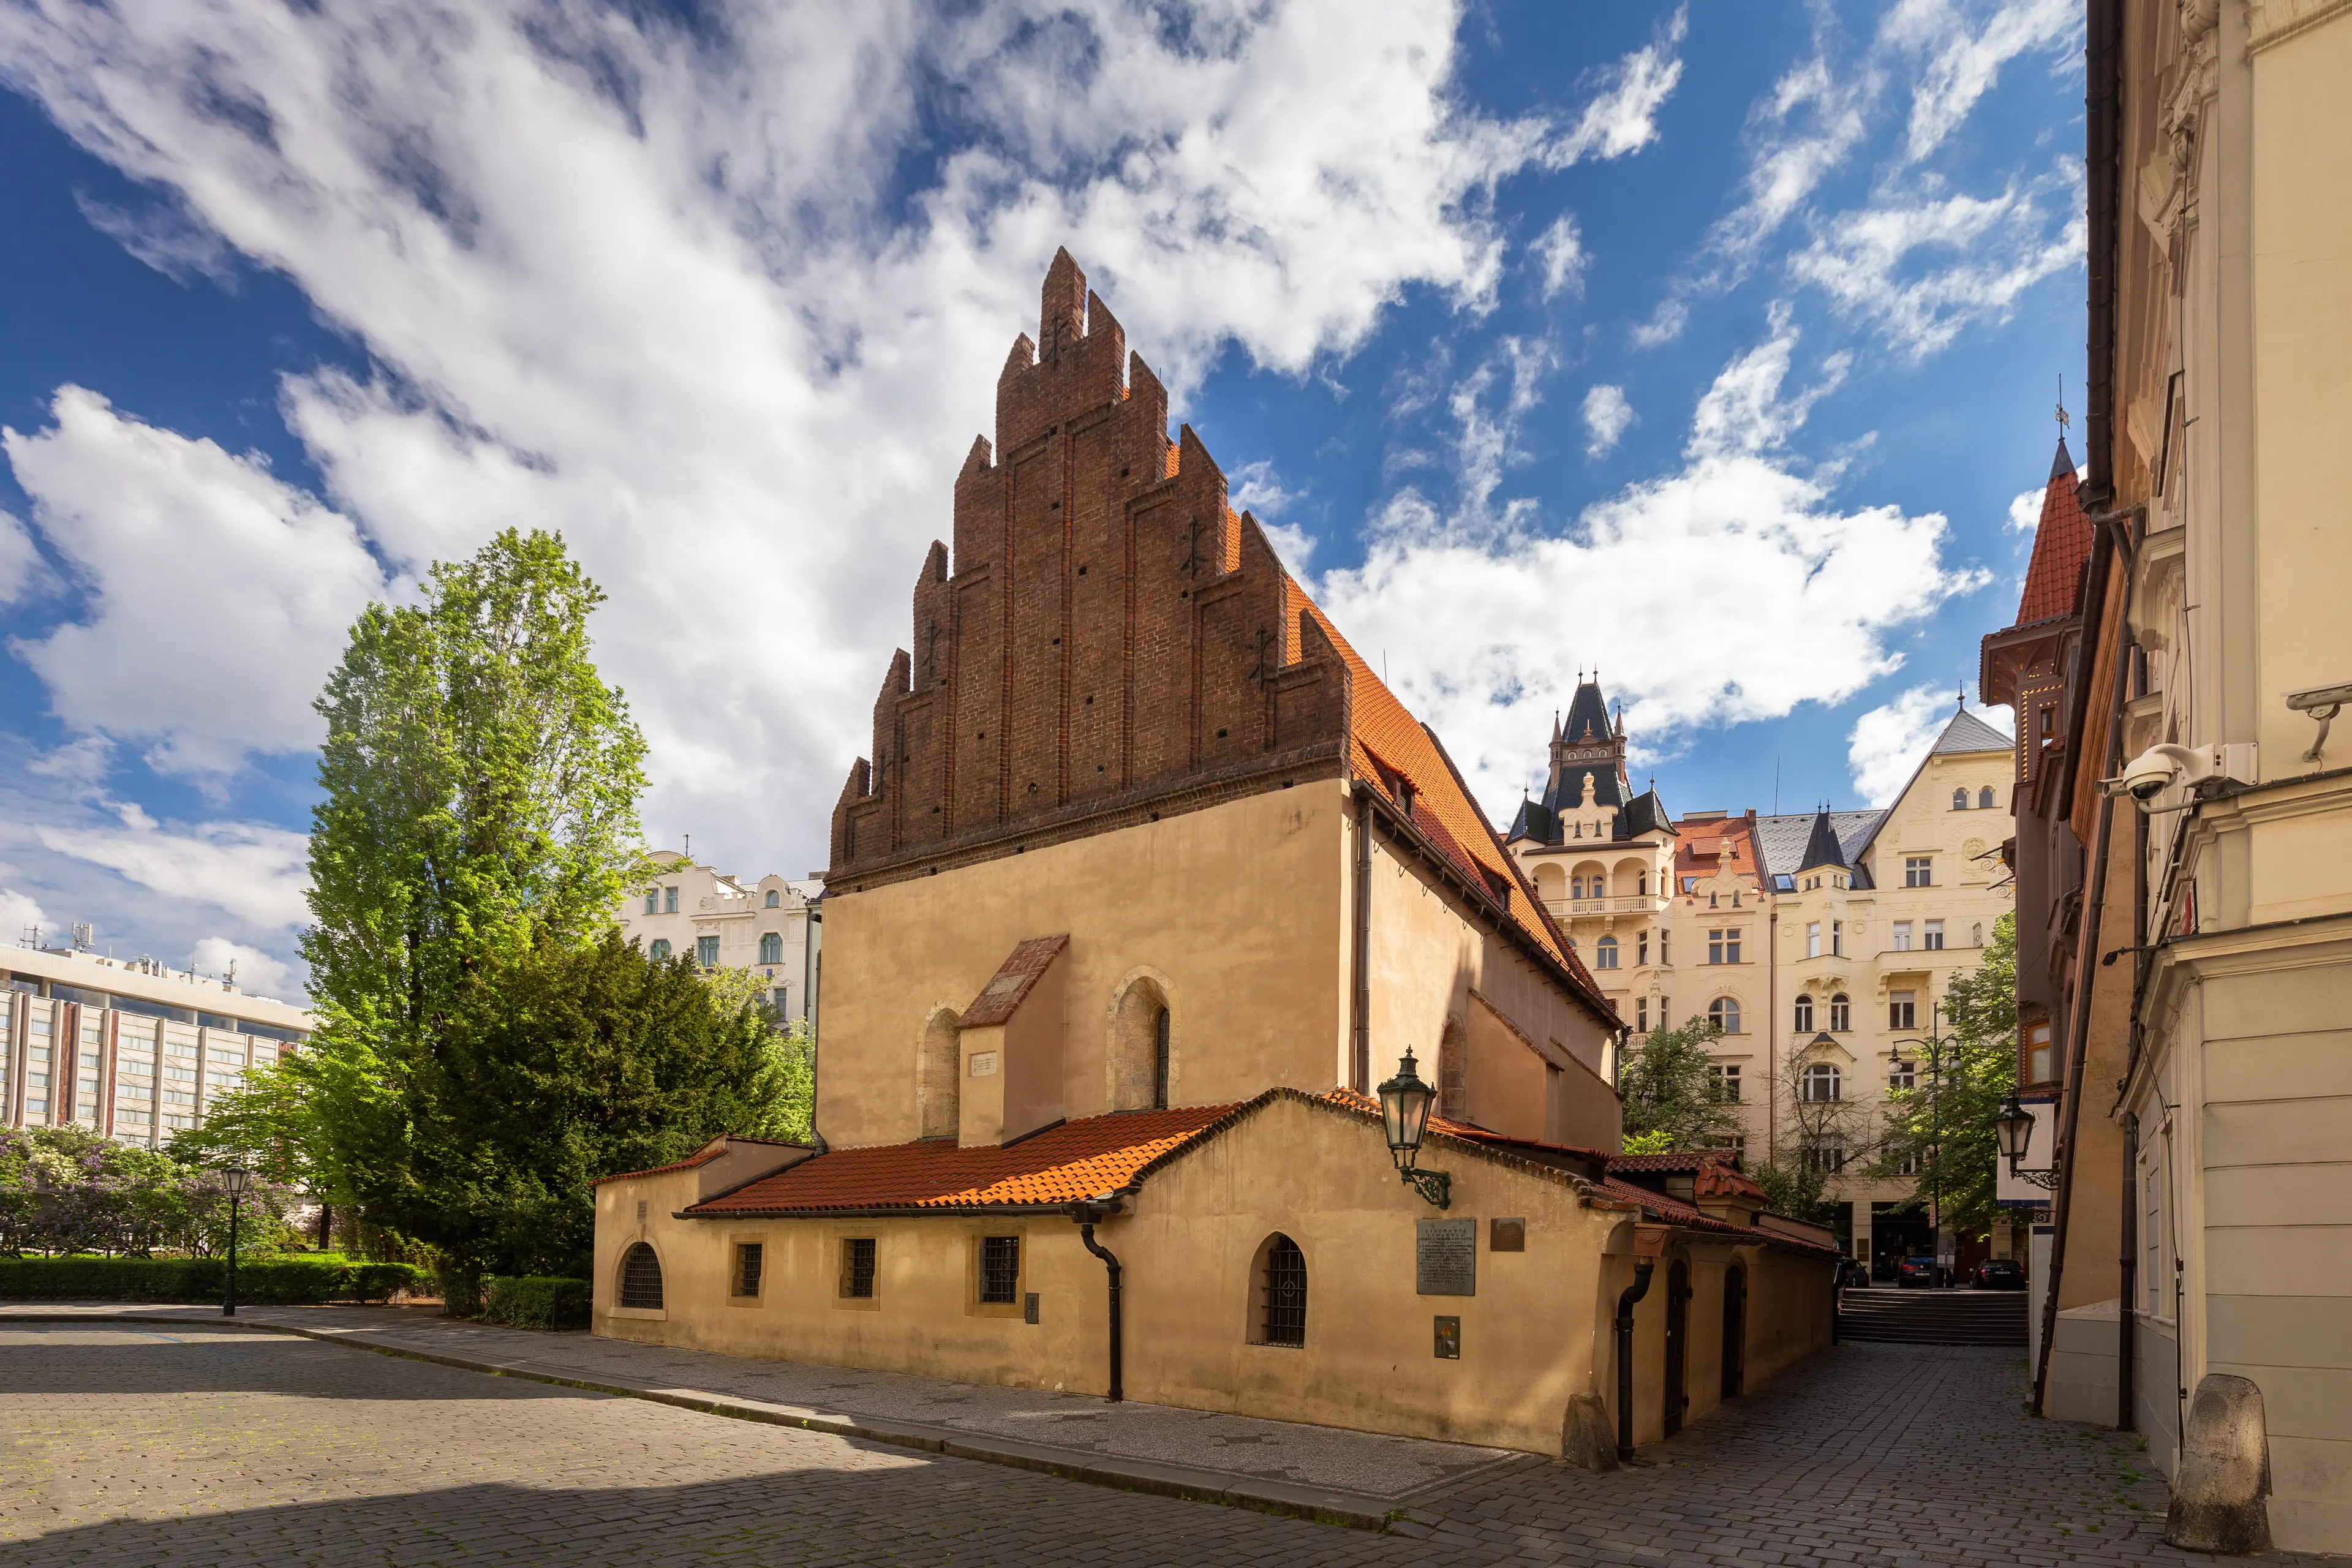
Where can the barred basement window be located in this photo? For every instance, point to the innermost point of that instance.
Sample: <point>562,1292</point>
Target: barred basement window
<point>1286,1293</point>
<point>857,1269</point>
<point>747,1268</point>
<point>641,1282</point>
<point>1000,1269</point>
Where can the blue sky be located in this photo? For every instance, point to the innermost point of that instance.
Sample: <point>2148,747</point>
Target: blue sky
<point>1711,347</point>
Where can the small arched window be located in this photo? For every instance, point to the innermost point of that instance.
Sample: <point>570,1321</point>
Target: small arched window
<point>1282,1292</point>
<point>1160,1060</point>
<point>1959,800</point>
<point>1984,798</point>
<point>1823,1082</point>
<point>1724,1013</point>
<point>771,948</point>
<point>775,901</point>
<point>659,951</point>
<point>1804,1019</point>
<point>938,1070</point>
<point>1604,953</point>
<point>1142,1056</point>
<point>641,1282</point>
<point>1841,1014</point>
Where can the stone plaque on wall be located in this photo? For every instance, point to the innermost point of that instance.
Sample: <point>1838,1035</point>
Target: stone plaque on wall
<point>1446,1257</point>
<point>1506,1236</point>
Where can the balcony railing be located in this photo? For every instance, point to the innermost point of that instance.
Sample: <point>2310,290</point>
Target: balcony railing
<point>1631,903</point>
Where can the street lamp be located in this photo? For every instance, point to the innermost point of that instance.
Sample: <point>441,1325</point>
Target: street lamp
<point>236,1178</point>
<point>2013,1126</point>
<point>1404,1114</point>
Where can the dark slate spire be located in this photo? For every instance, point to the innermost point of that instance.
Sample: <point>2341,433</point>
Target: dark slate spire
<point>1821,848</point>
<point>1587,744</point>
<point>2061,467</point>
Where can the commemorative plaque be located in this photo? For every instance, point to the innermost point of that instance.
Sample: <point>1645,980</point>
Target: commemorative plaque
<point>1446,1257</point>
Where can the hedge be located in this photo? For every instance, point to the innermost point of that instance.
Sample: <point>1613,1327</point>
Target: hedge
<point>538,1301</point>
<point>264,1282</point>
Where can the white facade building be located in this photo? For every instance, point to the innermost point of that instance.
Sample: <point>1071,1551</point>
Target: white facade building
<point>769,926</point>
<point>127,1048</point>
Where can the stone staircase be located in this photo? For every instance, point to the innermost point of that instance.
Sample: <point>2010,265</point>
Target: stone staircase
<point>1888,1316</point>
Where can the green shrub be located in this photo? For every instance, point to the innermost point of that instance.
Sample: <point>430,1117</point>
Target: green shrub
<point>538,1301</point>
<point>272,1281</point>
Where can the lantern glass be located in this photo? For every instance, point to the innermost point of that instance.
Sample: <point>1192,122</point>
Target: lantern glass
<point>238,1179</point>
<point>1404,1107</point>
<point>2014,1128</point>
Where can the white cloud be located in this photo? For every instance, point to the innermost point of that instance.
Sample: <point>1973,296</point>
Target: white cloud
<point>164,239</point>
<point>1623,117</point>
<point>1796,133</point>
<point>1731,590</point>
<point>704,301</point>
<point>217,594</point>
<point>1607,417</point>
<point>1888,743</point>
<point>21,574</point>
<point>2025,509</point>
<point>253,871</point>
<point>1560,250</point>
<point>1991,249</point>
<point>253,972</point>
<point>1964,56</point>
<point>19,915</point>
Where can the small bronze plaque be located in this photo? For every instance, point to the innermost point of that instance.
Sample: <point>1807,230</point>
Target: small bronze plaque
<point>1449,1338</point>
<point>1446,1257</point>
<point>1029,1307</point>
<point>1506,1236</point>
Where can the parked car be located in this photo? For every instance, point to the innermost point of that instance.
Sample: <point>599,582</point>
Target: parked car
<point>1919,1271</point>
<point>1853,1274</point>
<point>2000,1274</point>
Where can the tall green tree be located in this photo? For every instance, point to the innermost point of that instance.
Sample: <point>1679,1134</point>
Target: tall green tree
<point>481,785</point>
<point>1675,1098</point>
<point>1942,1129</point>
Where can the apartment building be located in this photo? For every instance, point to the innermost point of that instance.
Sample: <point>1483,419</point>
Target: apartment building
<point>127,1048</point>
<point>770,925</point>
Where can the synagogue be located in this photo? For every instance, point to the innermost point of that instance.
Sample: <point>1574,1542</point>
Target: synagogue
<point>1147,910</point>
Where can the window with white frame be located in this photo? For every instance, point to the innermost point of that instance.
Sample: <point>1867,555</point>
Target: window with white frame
<point>1933,937</point>
<point>1826,1156</point>
<point>1724,1013</point>
<point>1902,1010</point>
<point>1642,1014</point>
<point>1823,1083</point>
<point>1918,871</point>
<point>1722,946</point>
<point>1812,939</point>
<point>1641,948</point>
<point>1803,1018</point>
<point>1901,936</point>
<point>1902,1075</point>
<point>1837,939</point>
<point>1841,1014</point>
<point>1604,953</point>
<point>2041,1063</point>
<point>1726,1080</point>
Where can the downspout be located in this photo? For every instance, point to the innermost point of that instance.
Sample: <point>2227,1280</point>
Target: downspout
<point>1086,1214</point>
<point>1360,1006</point>
<point>2127,1418</point>
<point>1633,1293</point>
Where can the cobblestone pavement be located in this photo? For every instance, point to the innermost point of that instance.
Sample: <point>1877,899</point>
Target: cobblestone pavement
<point>140,1446</point>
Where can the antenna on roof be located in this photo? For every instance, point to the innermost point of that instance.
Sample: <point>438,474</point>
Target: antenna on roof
<point>690,847</point>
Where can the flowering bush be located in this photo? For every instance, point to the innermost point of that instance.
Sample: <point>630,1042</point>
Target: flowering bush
<point>65,1190</point>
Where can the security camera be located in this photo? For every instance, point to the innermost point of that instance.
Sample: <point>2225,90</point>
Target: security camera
<point>2148,775</point>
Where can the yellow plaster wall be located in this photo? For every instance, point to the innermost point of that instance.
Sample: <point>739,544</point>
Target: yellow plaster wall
<point>1534,1335</point>
<point>1241,909</point>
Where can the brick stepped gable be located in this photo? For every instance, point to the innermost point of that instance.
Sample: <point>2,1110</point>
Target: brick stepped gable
<point>1112,641</point>
<point>1886,1314</point>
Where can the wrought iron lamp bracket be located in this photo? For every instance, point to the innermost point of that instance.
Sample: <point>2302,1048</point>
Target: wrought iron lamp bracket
<point>1436,1187</point>
<point>2046,1180</point>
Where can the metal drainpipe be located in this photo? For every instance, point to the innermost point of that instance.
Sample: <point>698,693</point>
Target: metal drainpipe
<point>2126,1346</point>
<point>1633,1293</point>
<point>1086,1214</point>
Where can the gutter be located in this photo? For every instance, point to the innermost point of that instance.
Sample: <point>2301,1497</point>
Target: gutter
<point>1360,1022</point>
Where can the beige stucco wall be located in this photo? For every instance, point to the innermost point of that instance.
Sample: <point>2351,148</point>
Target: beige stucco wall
<point>1238,911</point>
<point>1533,1336</point>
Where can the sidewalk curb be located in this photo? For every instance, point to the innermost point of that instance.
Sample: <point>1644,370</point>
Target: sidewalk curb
<point>1354,1511</point>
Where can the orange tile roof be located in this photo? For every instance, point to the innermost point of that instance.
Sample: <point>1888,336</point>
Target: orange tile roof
<point>1388,741</point>
<point>2061,543</point>
<point>1058,1166</point>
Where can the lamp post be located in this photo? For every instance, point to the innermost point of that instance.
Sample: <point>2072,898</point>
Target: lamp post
<point>2013,1127</point>
<point>1404,1115</point>
<point>236,1178</point>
